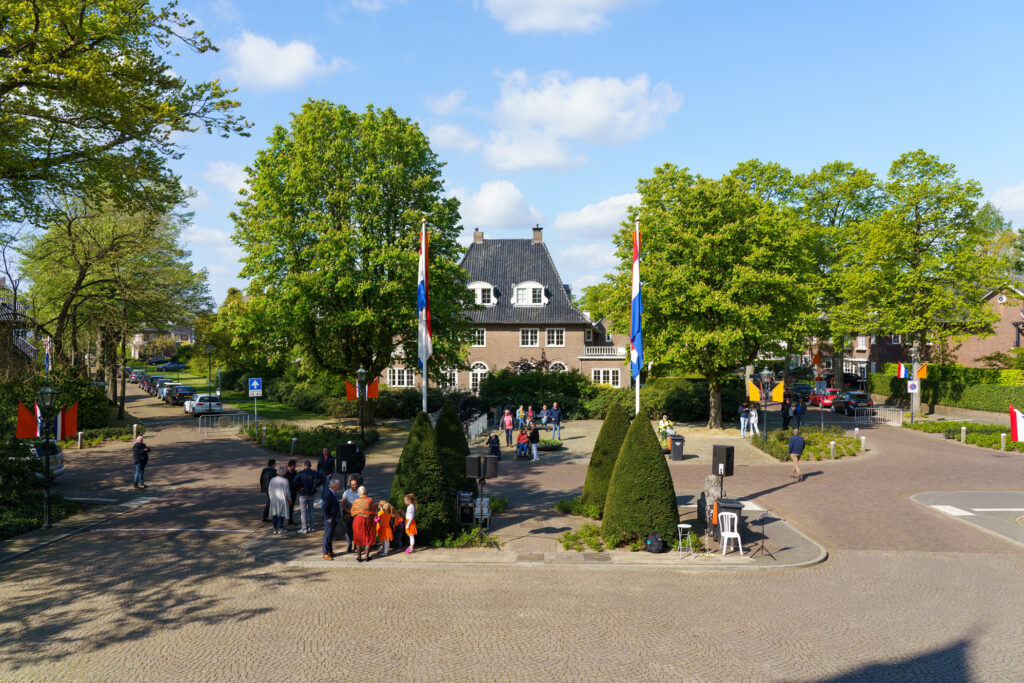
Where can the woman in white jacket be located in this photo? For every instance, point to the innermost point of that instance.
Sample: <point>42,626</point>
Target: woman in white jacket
<point>752,419</point>
<point>280,493</point>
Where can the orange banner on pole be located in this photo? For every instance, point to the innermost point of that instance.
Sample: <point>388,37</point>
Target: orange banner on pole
<point>28,426</point>
<point>373,389</point>
<point>350,392</point>
<point>922,372</point>
<point>753,393</point>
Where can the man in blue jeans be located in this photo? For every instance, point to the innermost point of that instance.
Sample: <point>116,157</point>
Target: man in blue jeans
<point>799,410</point>
<point>796,449</point>
<point>556,421</point>
<point>140,455</point>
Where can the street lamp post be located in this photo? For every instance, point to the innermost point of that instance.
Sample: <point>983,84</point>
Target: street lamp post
<point>361,395</point>
<point>209,367</point>
<point>47,398</point>
<point>765,376</point>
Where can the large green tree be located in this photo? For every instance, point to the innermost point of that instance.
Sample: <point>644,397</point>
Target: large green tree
<point>330,232</point>
<point>89,106</point>
<point>725,274</point>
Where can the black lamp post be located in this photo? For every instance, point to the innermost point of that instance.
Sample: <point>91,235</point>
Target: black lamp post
<point>361,395</point>
<point>765,376</point>
<point>47,399</point>
<point>209,367</point>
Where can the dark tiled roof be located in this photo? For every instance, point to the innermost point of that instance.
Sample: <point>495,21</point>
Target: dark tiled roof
<point>506,262</point>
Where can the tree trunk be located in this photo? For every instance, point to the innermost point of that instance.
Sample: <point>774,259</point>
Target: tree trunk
<point>715,404</point>
<point>785,368</point>
<point>124,372</point>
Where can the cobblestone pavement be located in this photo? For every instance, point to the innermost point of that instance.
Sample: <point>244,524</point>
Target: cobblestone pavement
<point>906,594</point>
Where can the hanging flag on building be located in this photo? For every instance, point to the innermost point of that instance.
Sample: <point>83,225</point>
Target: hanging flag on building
<point>47,357</point>
<point>817,358</point>
<point>373,389</point>
<point>1016,424</point>
<point>903,371</point>
<point>28,424</point>
<point>426,343</point>
<point>636,338</point>
<point>922,372</point>
<point>67,423</point>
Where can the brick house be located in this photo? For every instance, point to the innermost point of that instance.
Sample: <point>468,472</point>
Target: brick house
<point>527,314</point>
<point>180,335</point>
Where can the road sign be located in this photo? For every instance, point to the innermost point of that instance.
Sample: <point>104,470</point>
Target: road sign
<point>913,386</point>
<point>256,387</point>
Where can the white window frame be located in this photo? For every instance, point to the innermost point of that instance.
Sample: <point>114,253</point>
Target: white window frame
<point>828,363</point>
<point>608,337</point>
<point>535,334</point>
<point>523,294</point>
<point>610,376</point>
<point>537,296</point>
<point>479,331</point>
<point>588,336</point>
<point>478,371</point>
<point>479,287</point>
<point>558,366</point>
<point>451,379</point>
<point>401,378</point>
<point>862,342</point>
<point>556,331</point>
<point>896,339</point>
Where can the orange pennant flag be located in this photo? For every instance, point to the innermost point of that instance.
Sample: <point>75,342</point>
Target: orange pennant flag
<point>28,426</point>
<point>922,372</point>
<point>817,359</point>
<point>373,388</point>
<point>350,392</point>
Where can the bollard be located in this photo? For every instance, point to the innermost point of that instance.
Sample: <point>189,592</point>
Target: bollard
<point>856,432</point>
<point>294,439</point>
<point>863,443</point>
<point>832,449</point>
<point>135,430</point>
<point>963,435</point>
<point>79,440</point>
<point>264,436</point>
<point>1002,441</point>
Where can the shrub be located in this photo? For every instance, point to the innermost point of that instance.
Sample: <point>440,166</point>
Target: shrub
<point>588,534</point>
<point>499,504</point>
<point>309,440</point>
<point>306,396</point>
<point>507,388</point>
<point>576,507</point>
<point>465,537</point>
<point>602,459</point>
<point>988,397</point>
<point>641,496</point>
<point>453,449</point>
<point>94,437</point>
<point>420,471</point>
<point>816,443</point>
<point>958,374</point>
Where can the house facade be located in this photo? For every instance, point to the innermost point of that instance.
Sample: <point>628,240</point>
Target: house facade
<point>180,335</point>
<point>527,315</point>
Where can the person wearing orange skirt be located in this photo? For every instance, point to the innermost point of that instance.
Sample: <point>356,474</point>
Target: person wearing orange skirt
<point>384,532</point>
<point>410,521</point>
<point>364,529</point>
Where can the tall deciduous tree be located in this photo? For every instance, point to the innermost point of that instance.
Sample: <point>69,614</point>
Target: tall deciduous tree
<point>89,106</point>
<point>330,230</point>
<point>725,275</point>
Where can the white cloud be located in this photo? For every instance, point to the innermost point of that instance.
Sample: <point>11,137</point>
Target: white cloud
<point>227,174</point>
<point>200,200</point>
<point>599,256</point>
<point>598,220</point>
<point>1010,201</point>
<point>567,16</point>
<point>226,10</point>
<point>261,62</point>
<point>212,241</point>
<point>536,116</point>
<point>497,204</point>
<point>450,136</point>
<point>585,281</point>
<point>445,104</point>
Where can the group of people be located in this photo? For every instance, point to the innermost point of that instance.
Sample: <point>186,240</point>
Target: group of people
<point>528,437</point>
<point>748,419</point>
<point>367,523</point>
<point>792,410</point>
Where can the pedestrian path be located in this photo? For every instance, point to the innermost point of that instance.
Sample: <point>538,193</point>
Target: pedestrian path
<point>1000,513</point>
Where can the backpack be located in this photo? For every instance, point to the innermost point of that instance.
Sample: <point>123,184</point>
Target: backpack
<point>655,543</point>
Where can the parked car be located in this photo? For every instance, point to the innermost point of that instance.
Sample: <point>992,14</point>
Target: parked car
<point>179,394</point>
<point>204,404</point>
<point>38,451</point>
<point>157,360</point>
<point>153,383</point>
<point>136,376</point>
<point>173,366</point>
<point>824,398</point>
<point>849,401</point>
<point>163,393</point>
<point>159,386</point>
<point>801,390</point>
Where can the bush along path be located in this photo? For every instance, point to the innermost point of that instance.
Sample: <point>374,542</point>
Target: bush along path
<point>602,459</point>
<point>309,440</point>
<point>421,472</point>
<point>817,443</point>
<point>986,436</point>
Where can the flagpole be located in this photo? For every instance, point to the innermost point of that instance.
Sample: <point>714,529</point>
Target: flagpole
<point>637,361</point>
<point>423,257</point>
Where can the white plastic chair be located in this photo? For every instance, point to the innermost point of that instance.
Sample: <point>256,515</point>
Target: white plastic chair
<point>728,525</point>
<point>684,528</point>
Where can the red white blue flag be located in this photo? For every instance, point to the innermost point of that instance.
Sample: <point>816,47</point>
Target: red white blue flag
<point>636,338</point>
<point>47,357</point>
<point>426,343</point>
<point>1016,424</point>
<point>902,371</point>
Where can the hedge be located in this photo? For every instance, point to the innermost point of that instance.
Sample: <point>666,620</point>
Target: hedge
<point>420,472</point>
<point>816,443</point>
<point>309,441</point>
<point>92,402</point>
<point>988,397</point>
<point>683,400</point>
<point>602,459</point>
<point>986,436</point>
<point>958,374</point>
<point>453,448</point>
<point>94,437</point>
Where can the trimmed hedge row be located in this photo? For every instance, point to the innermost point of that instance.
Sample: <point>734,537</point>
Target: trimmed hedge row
<point>986,436</point>
<point>683,400</point>
<point>94,437</point>
<point>816,443</point>
<point>309,441</point>
<point>993,398</point>
<point>958,374</point>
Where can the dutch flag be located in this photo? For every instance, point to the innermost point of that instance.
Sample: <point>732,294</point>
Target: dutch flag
<point>426,344</point>
<point>902,371</point>
<point>47,357</point>
<point>1016,424</point>
<point>636,339</point>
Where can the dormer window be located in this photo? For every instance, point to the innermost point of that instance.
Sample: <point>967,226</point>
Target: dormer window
<point>530,294</point>
<point>483,293</point>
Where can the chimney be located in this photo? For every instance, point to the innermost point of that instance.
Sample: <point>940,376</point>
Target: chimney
<point>478,236</point>
<point>538,235</point>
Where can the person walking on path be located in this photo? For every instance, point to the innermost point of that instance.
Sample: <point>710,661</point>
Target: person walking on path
<point>332,511</point>
<point>520,418</point>
<point>752,420</point>
<point>799,410</point>
<point>289,474</point>
<point>280,494</point>
<point>534,440</point>
<point>410,521</point>
<point>744,418</point>
<point>306,482</point>
<point>786,408</point>
<point>494,445</point>
<point>556,421</point>
<point>140,456</point>
<point>545,416</point>
<point>347,499</point>
<point>325,466</point>
<point>796,449</point>
<point>364,528</point>
<point>384,531</point>
<point>266,474</point>
<point>506,422</point>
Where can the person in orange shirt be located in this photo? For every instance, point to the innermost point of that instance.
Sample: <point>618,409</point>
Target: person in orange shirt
<point>384,532</point>
<point>363,513</point>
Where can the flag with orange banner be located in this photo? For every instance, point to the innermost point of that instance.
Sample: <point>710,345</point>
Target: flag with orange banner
<point>817,359</point>
<point>922,372</point>
<point>753,393</point>
<point>350,392</point>
<point>28,425</point>
<point>372,390</point>
<point>779,392</point>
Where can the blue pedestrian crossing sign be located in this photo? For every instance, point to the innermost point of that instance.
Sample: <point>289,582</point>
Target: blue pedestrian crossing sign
<point>255,387</point>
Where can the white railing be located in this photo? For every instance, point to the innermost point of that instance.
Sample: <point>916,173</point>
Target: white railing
<point>25,346</point>
<point>889,416</point>
<point>232,422</point>
<point>604,351</point>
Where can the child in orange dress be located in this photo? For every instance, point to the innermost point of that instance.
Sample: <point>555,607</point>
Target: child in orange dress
<point>384,532</point>
<point>410,521</point>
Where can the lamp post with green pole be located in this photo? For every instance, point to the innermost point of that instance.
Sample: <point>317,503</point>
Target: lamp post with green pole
<point>766,375</point>
<point>361,395</point>
<point>47,399</point>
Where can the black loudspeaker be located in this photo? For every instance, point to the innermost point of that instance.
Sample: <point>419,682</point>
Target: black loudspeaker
<point>722,460</point>
<point>473,466</point>
<point>490,466</point>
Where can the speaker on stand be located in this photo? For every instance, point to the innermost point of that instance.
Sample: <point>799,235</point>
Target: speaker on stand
<point>481,468</point>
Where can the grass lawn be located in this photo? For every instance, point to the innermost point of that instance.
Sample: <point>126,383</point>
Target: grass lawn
<point>269,410</point>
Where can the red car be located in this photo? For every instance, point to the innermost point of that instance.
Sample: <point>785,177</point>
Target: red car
<point>824,400</point>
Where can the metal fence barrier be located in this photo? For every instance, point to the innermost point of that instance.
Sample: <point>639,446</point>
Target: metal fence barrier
<point>476,427</point>
<point>232,422</point>
<point>889,416</point>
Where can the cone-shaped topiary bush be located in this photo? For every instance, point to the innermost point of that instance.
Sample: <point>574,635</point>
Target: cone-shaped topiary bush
<point>420,472</point>
<point>641,497</point>
<point>453,448</point>
<point>606,451</point>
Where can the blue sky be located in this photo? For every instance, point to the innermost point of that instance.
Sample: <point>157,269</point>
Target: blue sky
<point>548,111</point>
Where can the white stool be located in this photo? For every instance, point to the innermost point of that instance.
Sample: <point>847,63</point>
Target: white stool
<point>728,524</point>
<point>684,528</point>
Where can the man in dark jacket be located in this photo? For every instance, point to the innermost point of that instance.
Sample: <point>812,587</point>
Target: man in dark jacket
<point>325,466</point>
<point>556,422</point>
<point>289,474</point>
<point>140,455</point>
<point>534,440</point>
<point>306,482</point>
<point>784,408</point>
<point>268,473</point>
<point>332,511</point>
